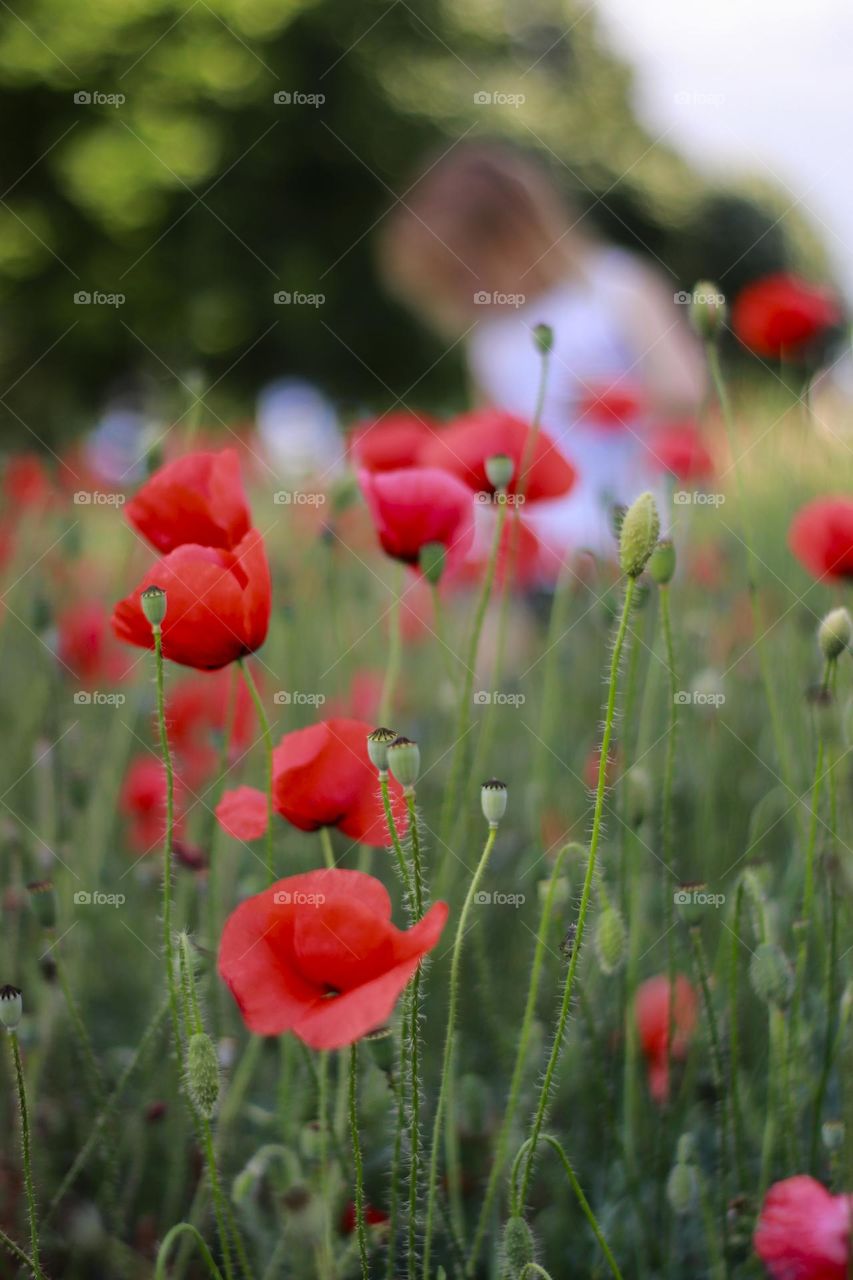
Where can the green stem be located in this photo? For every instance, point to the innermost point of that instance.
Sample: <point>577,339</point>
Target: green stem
<point>415,842</point>
<point>328,849</point>
<point>586,892</point>
<point>323,1125</point>
<point>25,1260</point>
<point>718,1068</point>
<point>168,945</point>
<point>455,962</point>
<point>666,810</point>
<point>184,1228</point>
<point>395,840</point>
<point>396,1160</point>
<point>394,660</point>
<point>734,1041</point>
<point>357,1162</point>
<point>267,735</point>
<point>26,1155</point>
<point>414,1014</point>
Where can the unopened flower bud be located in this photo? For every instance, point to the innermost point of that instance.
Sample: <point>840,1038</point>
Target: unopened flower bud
<point>378,743</point>
<point>682,1188</point>
<point>834,633</point>
<point>662,562</point>
<point>404,761</point>
<point>707,310</point>
<point>432,558</point>
<point>493,797</point>
<point>543,336</point>
<point>11,1007</point>
<point>771,975</point>
<point>610,939</point>
<point>639,534</point>
<point>500,469</point>
<point>153,602</point>
<point>518,1248</point>
<point>832,1134</point>
<point>43,902</point>
<point>202,1073</point>
<point>685,1149</point>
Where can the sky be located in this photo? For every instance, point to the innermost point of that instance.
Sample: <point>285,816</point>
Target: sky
<point>763,85</point>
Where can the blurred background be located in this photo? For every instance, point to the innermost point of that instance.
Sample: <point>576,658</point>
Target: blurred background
<point>171,167</point>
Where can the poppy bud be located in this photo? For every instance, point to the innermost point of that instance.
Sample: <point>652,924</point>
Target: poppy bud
<point>771,975</point>
<point>638,535</point>
<point>499,469</point>
<point>662,562</point>
<point>707,310</point>
<point>543,336</point>
<point>493,797</point>
<point>684,1150</point>
<point>202,1073</point>
<point>518,1248</point>
<point>832,1134</point>
<point>378,743</point>
<point>610,939</point>
<point>11,1007</point>
<point>431,561</point>
<point>404,761</point>
<point>153,602</point>
<point>682,1188</point>
<point>834,633</point>
<point>43,902</point>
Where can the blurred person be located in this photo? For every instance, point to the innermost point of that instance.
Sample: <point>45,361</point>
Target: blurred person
<point>484,248</point>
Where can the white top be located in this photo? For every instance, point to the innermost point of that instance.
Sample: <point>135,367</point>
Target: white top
<point>589,353</point>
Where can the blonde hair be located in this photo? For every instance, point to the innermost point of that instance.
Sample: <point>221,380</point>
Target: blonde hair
<point>482,218</point>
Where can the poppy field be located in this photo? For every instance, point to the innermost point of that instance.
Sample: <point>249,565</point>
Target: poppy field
<point>387,893</point>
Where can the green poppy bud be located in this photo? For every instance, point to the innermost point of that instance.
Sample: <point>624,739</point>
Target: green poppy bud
<point>610,939</point>
<point>518,1248</point>
<point>493,797</point>
<point>639,535</point>
<point>404,761</point>
<point>11,1007</point>
<point>153,602</point>
<point>202,1073</point>
<point>771,975</point>
<point>707,310</point>
<point>378,743</point>
<point>662,562</point>
<point>834,633</point>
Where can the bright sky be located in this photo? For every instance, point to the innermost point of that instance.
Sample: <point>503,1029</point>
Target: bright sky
<point>762,84</point>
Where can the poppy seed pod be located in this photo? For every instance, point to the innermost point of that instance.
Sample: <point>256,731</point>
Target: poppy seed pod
<point>834,633</point>
<point>707,310</point>
<point>493,797</point>
<point>11,1007</point>
<point>518,1248</point>
<point>543,336</point>
<point>771,975</point>
<point>500,469</point>
<point>378,743</point>
<point>153,603</point>
<point>404,761</point>
<point>639,535</point>
<point>202,1073</point>
<point>431,561</point>
<point>662,562</point>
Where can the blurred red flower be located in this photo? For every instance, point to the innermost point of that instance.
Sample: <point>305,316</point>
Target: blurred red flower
<point>781,314</point>
<point>204,705</point>
<point>143,802</point>
<point>416,506</point>
<point>612,407</point>
<point>821,537</point>
<point>678,448</point>
<point>218,604</point>
<point>27,481</point>
<point>652,1013</point>
<point>242,813</point>
<point>198,498</point>
<point>373,1218</point>
<point>392,441</point>
<point>464,446</point>
<point>85,644</point>
<point>803,1231</point>
<point>318,955</point>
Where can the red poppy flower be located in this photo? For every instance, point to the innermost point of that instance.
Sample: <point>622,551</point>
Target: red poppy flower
<point>143,802</point>
<point>86,645</point>
<point>318,955</point>
<point>803,1231</point>
<point>373,1217</point>
<point>679,449</point>
<point>611,407</point>
<point>218,604</point>
<point>391,442</point>
<point>651,1010</point>
<point>821,537</point>
<point>27,481</point>
<point>195,499</point>
<point>416,506</point>
<point>781,314</point>
<point>469,441</point>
